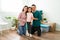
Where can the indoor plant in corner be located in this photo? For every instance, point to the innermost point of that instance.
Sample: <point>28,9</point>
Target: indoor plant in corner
<point>14,23</point>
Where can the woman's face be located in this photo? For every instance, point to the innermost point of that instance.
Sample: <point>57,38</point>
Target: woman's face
<point>29,9</point>
<point>25,9</point>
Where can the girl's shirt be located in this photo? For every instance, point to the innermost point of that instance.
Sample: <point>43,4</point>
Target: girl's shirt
<point>22,18</point>
<point>29,17</point>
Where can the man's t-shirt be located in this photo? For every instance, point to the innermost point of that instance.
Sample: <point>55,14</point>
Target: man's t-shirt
<point>37,14</point>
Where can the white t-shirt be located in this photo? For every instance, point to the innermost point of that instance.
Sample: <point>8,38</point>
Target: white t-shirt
<point>29,17</point>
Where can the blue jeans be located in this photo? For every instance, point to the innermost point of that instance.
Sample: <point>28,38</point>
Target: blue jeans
<point>21,30</point>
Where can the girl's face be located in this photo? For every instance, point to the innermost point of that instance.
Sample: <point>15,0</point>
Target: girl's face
<point>29,9</point>
<point>25,9</point>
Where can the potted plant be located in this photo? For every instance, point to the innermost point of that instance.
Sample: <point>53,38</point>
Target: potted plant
<point>14,23</point>
<point>45,19</point>
<point>8,18</point>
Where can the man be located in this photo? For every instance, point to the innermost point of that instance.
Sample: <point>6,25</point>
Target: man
<point>36,22</point>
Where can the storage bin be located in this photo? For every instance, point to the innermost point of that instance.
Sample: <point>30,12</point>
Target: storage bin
<point>44,27</point>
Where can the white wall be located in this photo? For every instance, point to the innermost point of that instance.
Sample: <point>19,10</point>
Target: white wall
<point>51,10</point>
<point>0,5</point>
<point>11,7</point>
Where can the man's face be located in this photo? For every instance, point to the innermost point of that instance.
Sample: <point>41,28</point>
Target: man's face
<point>33,8</point>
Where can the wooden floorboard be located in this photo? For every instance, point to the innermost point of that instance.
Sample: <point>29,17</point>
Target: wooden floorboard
<point>12,35</point>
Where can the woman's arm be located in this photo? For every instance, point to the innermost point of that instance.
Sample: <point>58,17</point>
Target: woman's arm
<point>19,16</point>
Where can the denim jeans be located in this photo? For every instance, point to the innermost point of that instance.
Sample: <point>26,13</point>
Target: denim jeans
<point>21,30</point>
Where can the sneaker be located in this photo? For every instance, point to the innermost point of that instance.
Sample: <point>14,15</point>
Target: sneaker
<point>27,34</point>
<point>30,35</point>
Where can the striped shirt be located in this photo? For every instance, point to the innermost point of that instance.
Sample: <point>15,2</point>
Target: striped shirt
<point>22,18</point>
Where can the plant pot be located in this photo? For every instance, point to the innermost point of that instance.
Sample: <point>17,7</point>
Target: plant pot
<point>13,28</point>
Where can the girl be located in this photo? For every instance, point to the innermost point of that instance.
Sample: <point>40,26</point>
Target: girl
<point>29,21</point>
<point>22,21</point>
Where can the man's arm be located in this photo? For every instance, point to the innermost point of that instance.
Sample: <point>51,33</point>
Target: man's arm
<point>35,18</point>
<point>39,16</point>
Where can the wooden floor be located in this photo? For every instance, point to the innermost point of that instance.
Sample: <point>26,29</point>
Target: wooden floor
<point>12,35</point>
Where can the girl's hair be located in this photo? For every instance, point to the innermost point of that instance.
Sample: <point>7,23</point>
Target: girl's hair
<point>24,7</point>
<point>31,8</point>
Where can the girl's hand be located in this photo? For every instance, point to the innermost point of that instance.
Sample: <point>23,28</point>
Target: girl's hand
<point>30,23</point>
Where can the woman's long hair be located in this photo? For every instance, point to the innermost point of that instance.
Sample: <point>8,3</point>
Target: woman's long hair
<point>24,7</point>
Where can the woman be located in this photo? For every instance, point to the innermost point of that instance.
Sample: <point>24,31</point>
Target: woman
<point>22,21</point>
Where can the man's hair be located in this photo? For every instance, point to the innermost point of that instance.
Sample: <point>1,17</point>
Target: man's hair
<point>33,5</point>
